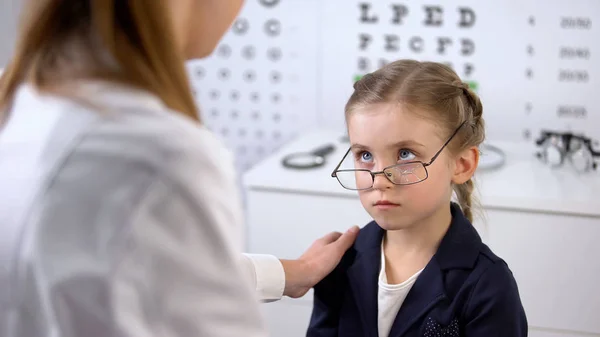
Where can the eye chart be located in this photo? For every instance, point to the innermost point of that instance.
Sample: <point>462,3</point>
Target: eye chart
<point>534,64</point>
<point>258,89</point>
<point>289,65</point>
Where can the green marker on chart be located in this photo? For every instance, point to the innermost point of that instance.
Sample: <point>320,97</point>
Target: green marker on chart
<point>473,85</point>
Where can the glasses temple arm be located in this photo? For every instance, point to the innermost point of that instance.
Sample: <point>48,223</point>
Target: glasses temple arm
<point>588,143</point>
<point>334,174</point>
<point>446,143</point>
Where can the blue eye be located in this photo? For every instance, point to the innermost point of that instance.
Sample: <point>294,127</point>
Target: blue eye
<point>406,155</point>
<point>366,156</point>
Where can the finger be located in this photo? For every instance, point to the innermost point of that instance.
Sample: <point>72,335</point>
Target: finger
<point>331,237</point>
<point>345,241</point>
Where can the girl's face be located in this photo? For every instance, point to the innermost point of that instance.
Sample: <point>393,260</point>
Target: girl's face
<point>385,134</point>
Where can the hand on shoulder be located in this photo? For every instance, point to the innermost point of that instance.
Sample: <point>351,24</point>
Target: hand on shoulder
<point>318,261</point>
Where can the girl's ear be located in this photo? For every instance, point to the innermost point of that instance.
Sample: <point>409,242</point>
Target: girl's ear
<point>465,165</point>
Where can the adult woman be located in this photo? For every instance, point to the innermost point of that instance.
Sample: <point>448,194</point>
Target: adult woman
<point>119,211</point>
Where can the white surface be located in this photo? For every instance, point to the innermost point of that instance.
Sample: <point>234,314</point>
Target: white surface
<point>320,44</point>
<point>545,223</point>
<point>255,127</point>
<point>501,34</point>
<point>9,10</point>
<point>553,259</point>
<point>522,184</point>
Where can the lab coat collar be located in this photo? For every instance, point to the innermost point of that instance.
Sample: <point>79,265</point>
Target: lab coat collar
<point>124,97</point>
<point>102,95</point>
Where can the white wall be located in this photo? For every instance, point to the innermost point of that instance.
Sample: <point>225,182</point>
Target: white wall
<point>9,10</point>
<point>535,65</point>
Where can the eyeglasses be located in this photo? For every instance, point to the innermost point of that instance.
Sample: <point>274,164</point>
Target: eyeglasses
<point>558,147</point>
<point>400,174</point>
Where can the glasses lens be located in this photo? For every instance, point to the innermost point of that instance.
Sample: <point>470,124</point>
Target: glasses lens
<point>406,174</point>
<point>581,160</point>
<point>355,179</point>
<point>553,155</point>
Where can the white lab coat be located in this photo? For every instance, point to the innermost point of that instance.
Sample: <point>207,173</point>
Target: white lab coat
<point>121,218</point>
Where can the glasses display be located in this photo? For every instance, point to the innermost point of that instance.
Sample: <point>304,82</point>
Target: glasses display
<point>557,148</point>
<point>399,174</point>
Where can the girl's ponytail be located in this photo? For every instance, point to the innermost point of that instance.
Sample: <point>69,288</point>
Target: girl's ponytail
<point>464,194</point>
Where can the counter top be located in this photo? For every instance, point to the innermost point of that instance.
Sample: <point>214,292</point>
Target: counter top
<point>522,183</point>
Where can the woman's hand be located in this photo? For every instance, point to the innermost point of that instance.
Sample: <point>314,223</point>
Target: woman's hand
<point>317,262</point>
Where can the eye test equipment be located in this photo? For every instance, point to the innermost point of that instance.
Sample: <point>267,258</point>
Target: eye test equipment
<point>492,157</point>
<point>558,147</point>
<point>308,160</point>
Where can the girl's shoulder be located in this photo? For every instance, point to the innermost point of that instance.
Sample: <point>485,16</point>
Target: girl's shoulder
<point>369,237</point>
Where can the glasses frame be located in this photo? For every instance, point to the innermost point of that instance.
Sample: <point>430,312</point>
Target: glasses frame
<point>373,174</point>
<point>562,142</point>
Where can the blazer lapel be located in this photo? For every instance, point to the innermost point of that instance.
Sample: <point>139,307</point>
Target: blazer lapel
<point>363,279</point>
<point>363,276</point>
<point>458,249</point>
<point>427,291</point>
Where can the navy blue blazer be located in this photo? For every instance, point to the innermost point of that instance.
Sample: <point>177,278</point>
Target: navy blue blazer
<point>465,290</point>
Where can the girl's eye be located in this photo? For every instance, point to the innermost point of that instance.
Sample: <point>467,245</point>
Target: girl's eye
<point>366,156</point>
<point>406,155</point>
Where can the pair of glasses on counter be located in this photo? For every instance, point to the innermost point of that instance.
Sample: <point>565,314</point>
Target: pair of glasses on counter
<point>560,148</point>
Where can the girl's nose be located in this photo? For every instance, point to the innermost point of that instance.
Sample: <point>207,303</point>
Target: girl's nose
<point>381,182</point>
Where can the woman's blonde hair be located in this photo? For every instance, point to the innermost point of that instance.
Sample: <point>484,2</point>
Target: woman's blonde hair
<point>436,90</point>
<point>124,41</point>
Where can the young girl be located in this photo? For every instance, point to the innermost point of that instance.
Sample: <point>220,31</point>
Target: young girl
<point>420,268</point>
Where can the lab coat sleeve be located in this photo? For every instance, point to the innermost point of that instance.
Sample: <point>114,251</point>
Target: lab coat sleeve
<point>266,275</point>
<point>494,308</point>
<point>180,272</point>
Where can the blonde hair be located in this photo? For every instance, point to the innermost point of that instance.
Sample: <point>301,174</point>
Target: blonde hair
<point>437,90</point>
<point>127,42</point>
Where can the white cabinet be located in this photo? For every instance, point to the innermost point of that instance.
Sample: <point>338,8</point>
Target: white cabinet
<point>545,223</point>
